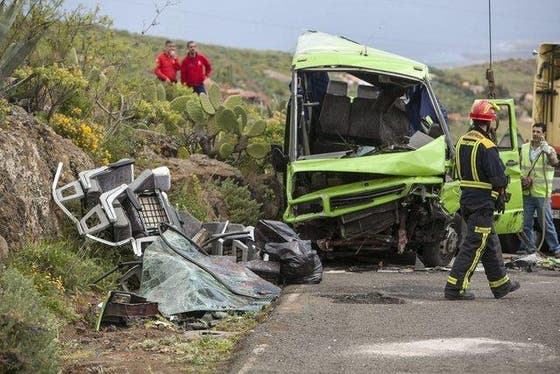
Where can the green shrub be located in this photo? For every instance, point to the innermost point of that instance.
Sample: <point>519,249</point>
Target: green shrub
<point>240,206</point>
<point>60,261</point>
<point>175,90</point>
<point>124,143</point>
<point>190,197</point>
<point>158,113</point>
<point>28,329</point>
<point>49,88</point>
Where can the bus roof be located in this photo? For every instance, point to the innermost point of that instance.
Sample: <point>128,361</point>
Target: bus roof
<point>316,49</point>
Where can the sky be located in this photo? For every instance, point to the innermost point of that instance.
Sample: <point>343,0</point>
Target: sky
<point>437,32</point>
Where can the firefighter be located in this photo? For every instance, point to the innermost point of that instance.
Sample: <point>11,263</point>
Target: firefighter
<point>483,182</point>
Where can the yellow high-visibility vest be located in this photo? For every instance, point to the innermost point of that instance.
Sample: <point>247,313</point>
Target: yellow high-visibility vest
<point>540,187</point>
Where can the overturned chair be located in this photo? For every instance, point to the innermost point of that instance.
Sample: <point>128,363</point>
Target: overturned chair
<point>119,209</point>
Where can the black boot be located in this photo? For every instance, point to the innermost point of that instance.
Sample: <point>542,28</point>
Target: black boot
<point>506,288</point>
<point>458,295</point>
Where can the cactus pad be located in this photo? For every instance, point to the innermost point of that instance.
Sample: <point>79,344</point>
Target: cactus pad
<point>194,111</point>
<point>242,116</point>
<point>183,152</point>
<point>258,150</point>
<point>233,101</point>
<point>206,104</point>
<point>212,127</point>
<point>214,96</point>
<point>255,129</point>
<point>225,150</point>
<point>179,104</point>
<point>227,121</point>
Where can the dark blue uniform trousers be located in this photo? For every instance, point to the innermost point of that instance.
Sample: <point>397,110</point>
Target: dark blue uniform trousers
<point>481,244</point>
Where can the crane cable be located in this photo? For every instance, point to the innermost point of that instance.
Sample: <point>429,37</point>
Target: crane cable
<point>489,71</point>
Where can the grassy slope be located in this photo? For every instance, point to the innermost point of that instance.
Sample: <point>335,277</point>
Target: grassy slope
<point>515,74</point>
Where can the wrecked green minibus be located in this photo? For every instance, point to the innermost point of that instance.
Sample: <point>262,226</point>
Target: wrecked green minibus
<point>368,155</point>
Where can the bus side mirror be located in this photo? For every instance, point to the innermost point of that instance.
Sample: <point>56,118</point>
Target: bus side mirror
<point>279,159</point>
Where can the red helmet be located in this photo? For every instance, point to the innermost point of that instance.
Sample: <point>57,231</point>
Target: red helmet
<point>483,110</point>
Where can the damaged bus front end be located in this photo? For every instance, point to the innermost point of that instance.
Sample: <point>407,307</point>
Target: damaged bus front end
<point>367,153</point>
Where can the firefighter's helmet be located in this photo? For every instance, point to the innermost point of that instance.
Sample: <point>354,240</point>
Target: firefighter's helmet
<point>483,110</point>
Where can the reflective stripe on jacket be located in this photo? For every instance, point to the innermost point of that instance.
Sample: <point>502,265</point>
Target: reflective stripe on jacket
<point>480,170</point>
<point>540,186</point>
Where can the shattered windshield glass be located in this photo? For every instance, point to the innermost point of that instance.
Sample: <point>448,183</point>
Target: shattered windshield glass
<point>181,279</point>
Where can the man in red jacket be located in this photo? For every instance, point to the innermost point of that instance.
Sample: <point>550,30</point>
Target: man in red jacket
<point>195,68</point>
<point>167,64</point>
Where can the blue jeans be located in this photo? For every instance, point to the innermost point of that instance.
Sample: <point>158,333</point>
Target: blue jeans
<point>199,89</point>
<point>531,205</point>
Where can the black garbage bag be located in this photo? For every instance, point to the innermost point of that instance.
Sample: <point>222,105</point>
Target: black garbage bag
<point>267,231</point>
<point>298,262</point>
<point>317,274</point>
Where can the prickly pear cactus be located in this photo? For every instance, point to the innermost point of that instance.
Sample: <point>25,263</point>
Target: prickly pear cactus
<point>241,118</point>
<point>255,128</point>
<point>224,128</point>
<point>206,104</point>
<point>226,144</point>
<point>226,120</point>
<point>194,111</point>
<point>179,104</point>
<point>212,127</point>
<point>214,96</point>
<point>150,93</point>
<point>225,150</point>
<point>258,150</point>
<point>233,101</point>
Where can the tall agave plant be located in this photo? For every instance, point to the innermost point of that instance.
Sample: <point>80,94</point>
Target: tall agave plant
<point>14,48</point>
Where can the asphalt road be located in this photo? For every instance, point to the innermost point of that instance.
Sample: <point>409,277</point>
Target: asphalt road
<point>384,322</point>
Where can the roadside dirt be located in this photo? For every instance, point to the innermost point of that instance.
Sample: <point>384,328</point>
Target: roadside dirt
<point>145,346</point>
<point>131,350</point>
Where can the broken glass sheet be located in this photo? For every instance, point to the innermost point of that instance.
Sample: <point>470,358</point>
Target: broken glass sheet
<point>181,279</point>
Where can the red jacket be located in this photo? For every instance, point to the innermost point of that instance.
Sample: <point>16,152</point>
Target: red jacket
<point>194,70</point>
<point>166,67</point>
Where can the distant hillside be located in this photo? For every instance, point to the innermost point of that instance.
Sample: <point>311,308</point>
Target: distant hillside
<point>515,74</point>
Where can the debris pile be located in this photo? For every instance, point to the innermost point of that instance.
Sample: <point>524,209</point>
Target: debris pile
<point>532,262</point>
<point>183,266</point>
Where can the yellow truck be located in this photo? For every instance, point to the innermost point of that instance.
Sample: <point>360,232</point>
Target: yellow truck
<point>546,107</point>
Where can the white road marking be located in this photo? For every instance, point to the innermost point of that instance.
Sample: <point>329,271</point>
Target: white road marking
<point>453,346</point>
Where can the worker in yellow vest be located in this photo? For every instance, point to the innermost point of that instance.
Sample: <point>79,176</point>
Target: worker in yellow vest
<point>537,167</point>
